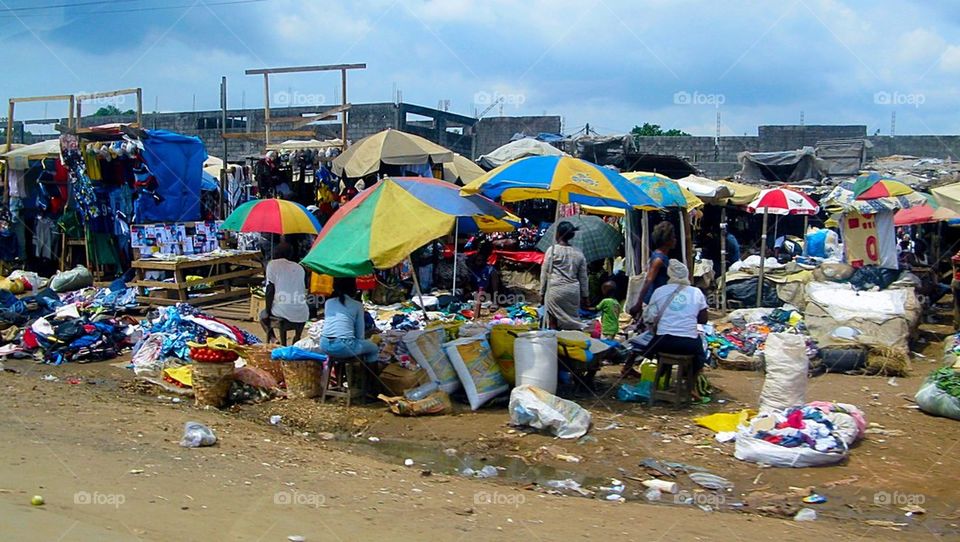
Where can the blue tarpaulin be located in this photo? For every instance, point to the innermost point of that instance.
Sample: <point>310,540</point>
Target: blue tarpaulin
<point>176,161</point>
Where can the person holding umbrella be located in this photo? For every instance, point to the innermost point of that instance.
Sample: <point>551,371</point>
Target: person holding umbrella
<point>563,281</point>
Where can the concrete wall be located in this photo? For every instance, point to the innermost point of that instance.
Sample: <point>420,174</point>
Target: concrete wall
<point>926,146</point>
<point>791,137</point>
<point>493,132</point>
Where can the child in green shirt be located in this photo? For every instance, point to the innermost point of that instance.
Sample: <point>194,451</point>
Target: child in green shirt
<point>609,309</point>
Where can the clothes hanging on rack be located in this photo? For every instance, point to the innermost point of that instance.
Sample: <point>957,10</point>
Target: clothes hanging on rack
<point>46,238</point>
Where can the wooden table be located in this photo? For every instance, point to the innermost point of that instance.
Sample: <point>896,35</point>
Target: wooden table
<point>218,277</point>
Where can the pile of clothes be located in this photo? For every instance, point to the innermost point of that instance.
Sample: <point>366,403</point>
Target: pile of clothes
<point>747,335</point>
<point>815,434</point>
<point>183,323</point>
<point>517,314</point>
<point>824,427</point>
<point>56,328</point>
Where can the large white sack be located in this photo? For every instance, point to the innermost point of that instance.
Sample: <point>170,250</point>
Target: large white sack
<point>426,347</point>
<point>531,406</point>
<point>785,385</point>
<point>478,371</point>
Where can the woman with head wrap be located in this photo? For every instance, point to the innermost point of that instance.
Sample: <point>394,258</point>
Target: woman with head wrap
<point>563,281</point>
<point>674,310</point>
<point>677,308</point>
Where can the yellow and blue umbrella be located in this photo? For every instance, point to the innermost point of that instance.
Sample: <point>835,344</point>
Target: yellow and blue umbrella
<point>664,190</point>
<point>385,223</point>
<point>561,178</point>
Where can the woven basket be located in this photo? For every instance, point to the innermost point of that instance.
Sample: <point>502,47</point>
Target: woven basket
<point>211,383</point>
<point>739,362</point>
<point>303,378</point>
<point>258,356</point>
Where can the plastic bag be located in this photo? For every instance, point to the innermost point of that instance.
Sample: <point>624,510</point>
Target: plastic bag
<point>146,359</point>
<point>69,281</point>
<point>195,434</point>
<point>536,408</point>
<point>756,450</point>
<point>786,361</point>
<point>638,393</point>
<point>933,400</point>
<point>426,347</point>
<point>478,372</point>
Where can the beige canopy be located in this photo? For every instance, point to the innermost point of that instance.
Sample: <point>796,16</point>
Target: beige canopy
<point>948,196</point>
<point>389,147</point>
<point>19,158</point>
<point>742,194</point>
<point>461,170</point>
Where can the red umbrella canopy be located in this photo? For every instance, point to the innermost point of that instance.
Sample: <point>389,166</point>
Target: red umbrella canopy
<point>783,201</point>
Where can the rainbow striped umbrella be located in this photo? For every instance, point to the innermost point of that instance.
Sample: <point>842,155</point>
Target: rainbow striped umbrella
<point>385,223</point>
<point>272,216</point>
<point>872,185</point>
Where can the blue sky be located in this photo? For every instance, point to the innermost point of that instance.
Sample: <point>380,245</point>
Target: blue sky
<point>611,63</point>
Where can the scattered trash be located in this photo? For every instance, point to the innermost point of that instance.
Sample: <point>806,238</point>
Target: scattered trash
<point>610,426</point>
<point>726,436</point>
<point>586,439</point>
<point>37,500</point>
<point>408,462</point>
<point>374,439</point>
<point>467,471</point>
<point>893,381</point>
<point>49,378</point>
<point>913,510</point>
<point>296,538</point>
<point>615,497</point>
<point>488,471</point>
<point>326,436</point>
<point>653,464</point>
<point>662,485</point>
<point>815,498</point>
<point>450,452</point>
<point>275,419</point>
<point>653,494</point>
<point>806,514</point>
<point>635,393</point>
<point>572,485</point>
<point>710,481</point>
<point>195,434</point>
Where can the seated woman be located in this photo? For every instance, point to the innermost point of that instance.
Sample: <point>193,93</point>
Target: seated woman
<point>674,310</point>
<point>343,326</point>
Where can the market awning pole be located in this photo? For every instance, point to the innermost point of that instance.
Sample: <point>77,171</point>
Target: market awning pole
<point>683,237</point>
<point>645,243</point>
<point>806,224</point>
<point>688,237</point>
<point>763,257</point>
<point>456,235</point>
<point>723,259</point>
<point>416,285</point>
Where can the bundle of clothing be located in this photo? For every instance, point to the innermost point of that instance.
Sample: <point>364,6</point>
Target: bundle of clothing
<point>183,323</point>
<point>67,338</point>
<point>749,335</point>
<point>517,314</point>
<point>810,435</point>
<point>824,427</point>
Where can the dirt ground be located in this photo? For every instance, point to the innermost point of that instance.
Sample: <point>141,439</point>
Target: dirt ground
<point>103,452</point>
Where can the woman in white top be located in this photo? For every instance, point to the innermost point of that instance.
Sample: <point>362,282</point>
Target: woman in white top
<point>677,308</point>
<point>344,332</point>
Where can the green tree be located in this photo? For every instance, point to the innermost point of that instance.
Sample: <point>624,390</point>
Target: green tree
<point>648,130</point>
<point>112,111</point>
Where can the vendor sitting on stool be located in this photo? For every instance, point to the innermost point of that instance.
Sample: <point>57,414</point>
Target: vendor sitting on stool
<point>285,296</point>
<point>677,308</point>
<point>344,332</point>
